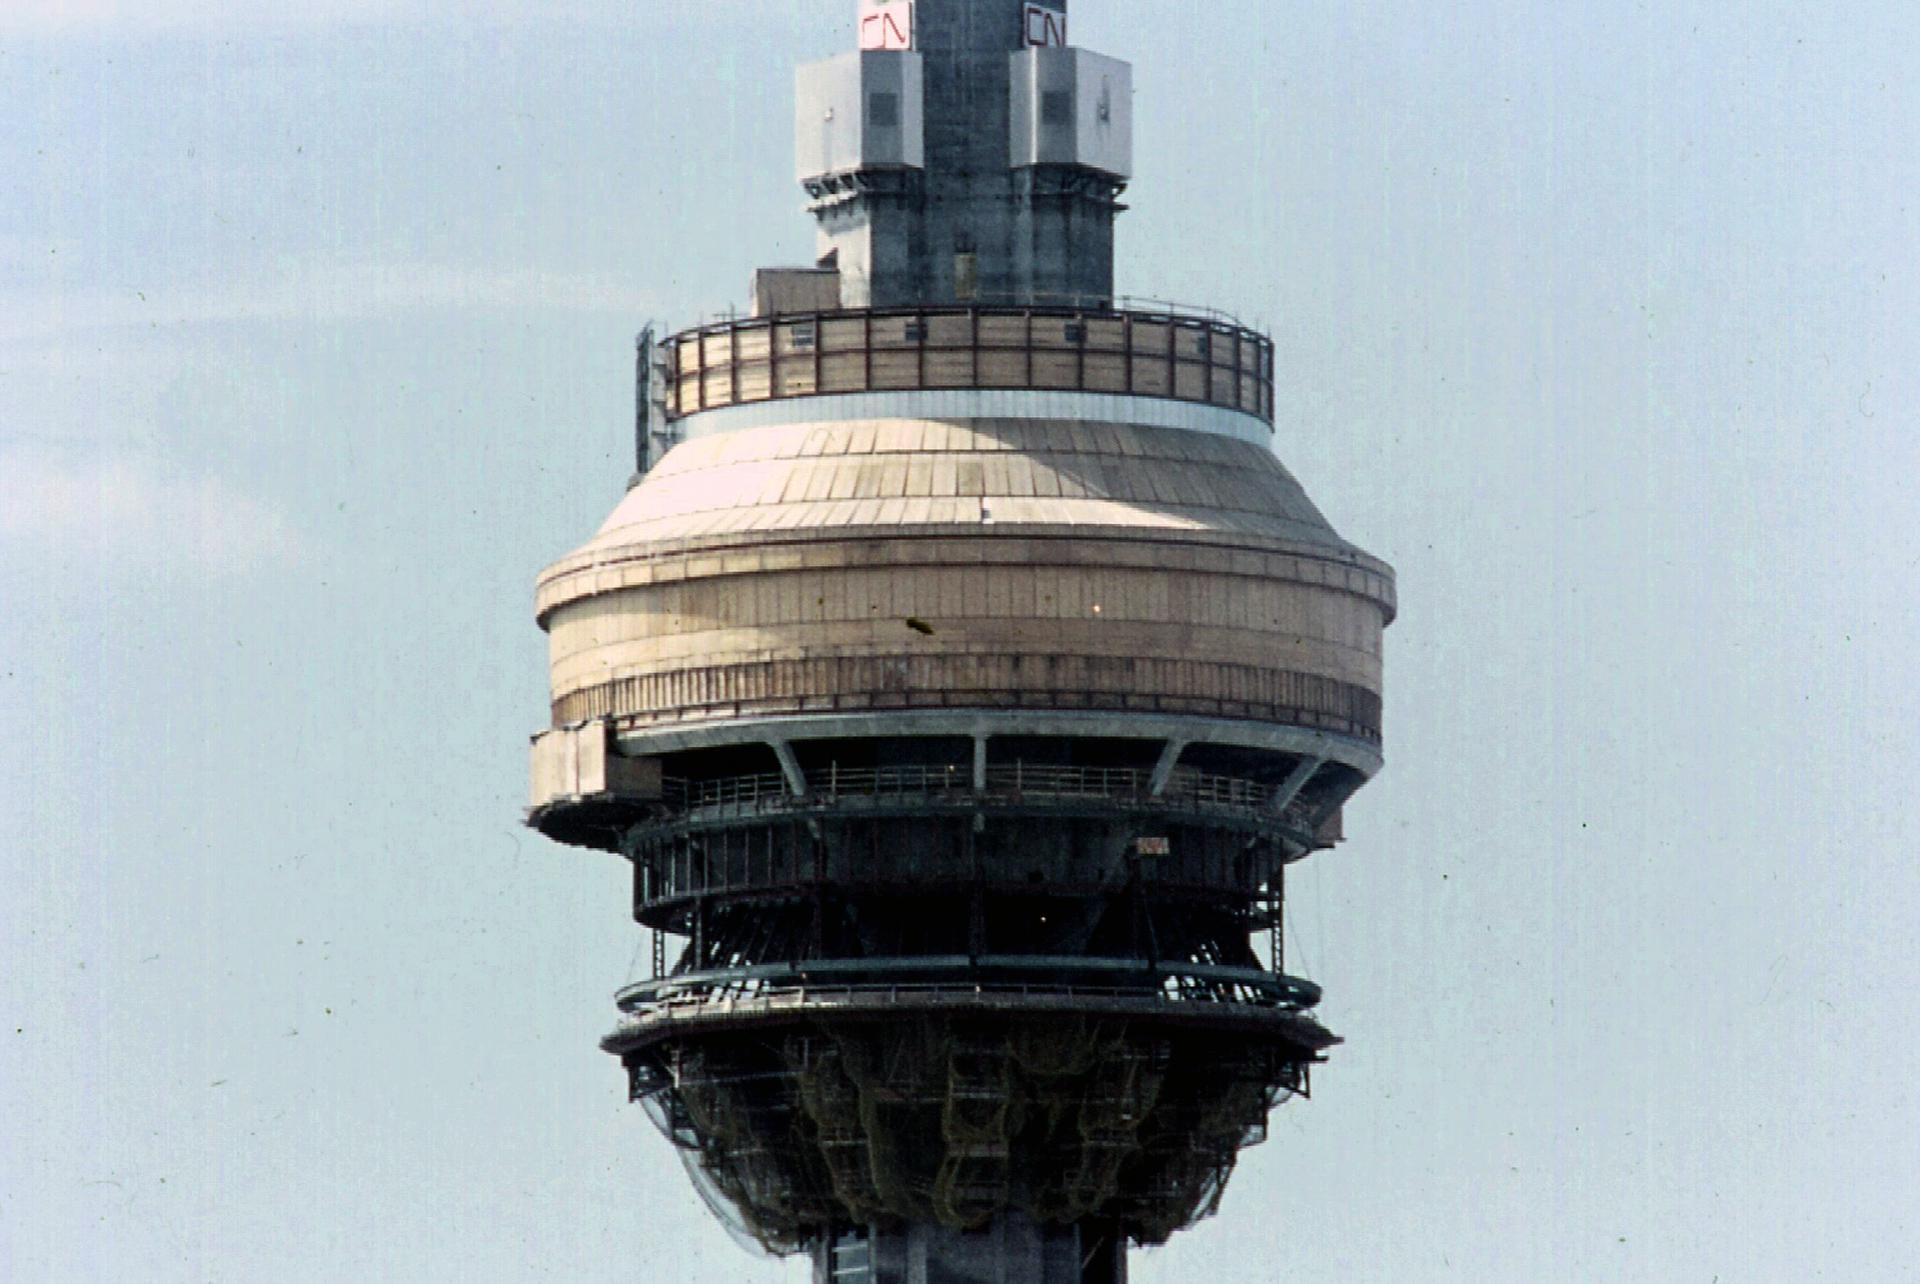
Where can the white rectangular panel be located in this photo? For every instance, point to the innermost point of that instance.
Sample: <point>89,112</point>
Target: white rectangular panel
<point>1071,107</point>
<point>858,111</point>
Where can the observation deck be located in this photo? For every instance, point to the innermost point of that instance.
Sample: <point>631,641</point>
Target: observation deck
<point>1194,997</point>
<point>1170,355</point>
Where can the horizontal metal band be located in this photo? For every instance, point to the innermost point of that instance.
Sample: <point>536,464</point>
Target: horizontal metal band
<point>870,683</point>
<point>1305,742</point>
<point>817,1005</point>
<point>1236,998</point>
<point>982,403</point>
<point>1030,971</point>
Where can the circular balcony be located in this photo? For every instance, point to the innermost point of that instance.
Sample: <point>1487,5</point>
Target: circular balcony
<point>1013,786</point>
<point>1209,995</point>
<point>1172,356</point>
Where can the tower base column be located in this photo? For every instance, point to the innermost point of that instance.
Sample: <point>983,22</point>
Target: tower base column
<point>1011,1249</point>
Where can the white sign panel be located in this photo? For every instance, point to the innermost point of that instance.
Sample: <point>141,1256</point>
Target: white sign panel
<point>886,24</point>
<point>1043,25</point>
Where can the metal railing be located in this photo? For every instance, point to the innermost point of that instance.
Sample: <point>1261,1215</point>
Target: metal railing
<point>890,782</point>
<point>1014,781</point>
<point>1045,300</point>
<point>948,982</point>
<point>1024,973</point>
<point>1161,353</point>
<point>726,791</point>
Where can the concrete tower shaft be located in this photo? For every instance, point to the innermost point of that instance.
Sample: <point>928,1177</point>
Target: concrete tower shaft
<point>965,153</point>
<point>960,682</point>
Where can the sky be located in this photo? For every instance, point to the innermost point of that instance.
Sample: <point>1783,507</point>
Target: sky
<point>1598,321</point>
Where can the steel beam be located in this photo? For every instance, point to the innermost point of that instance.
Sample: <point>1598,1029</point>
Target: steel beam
<point>1349,751</point>
<point>1163,770</point>
<point>789,767</point>
<point>1296,781</point>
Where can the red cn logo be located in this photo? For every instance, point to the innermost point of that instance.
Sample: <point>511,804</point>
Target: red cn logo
<point>886,25</point>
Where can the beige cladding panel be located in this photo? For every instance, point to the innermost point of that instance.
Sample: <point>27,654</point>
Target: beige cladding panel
<point>1121,641</point>
<point>1114,613</point>
<point>953,595</point>
<point>826,544</point>
<point>945,602</point>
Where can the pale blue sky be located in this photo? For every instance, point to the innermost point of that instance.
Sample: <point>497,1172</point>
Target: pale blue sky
<point>1600,321</point>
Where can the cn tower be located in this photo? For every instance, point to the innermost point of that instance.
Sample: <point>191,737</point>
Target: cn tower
<point>960,677</point>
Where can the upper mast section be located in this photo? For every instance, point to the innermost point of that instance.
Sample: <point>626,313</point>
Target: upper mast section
<point>966,153</point>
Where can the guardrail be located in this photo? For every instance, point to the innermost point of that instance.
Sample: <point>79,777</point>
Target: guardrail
<point>1011,781</point>
<point>1153,354</point>
<point>727,791</point>
<point>958,977</point>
